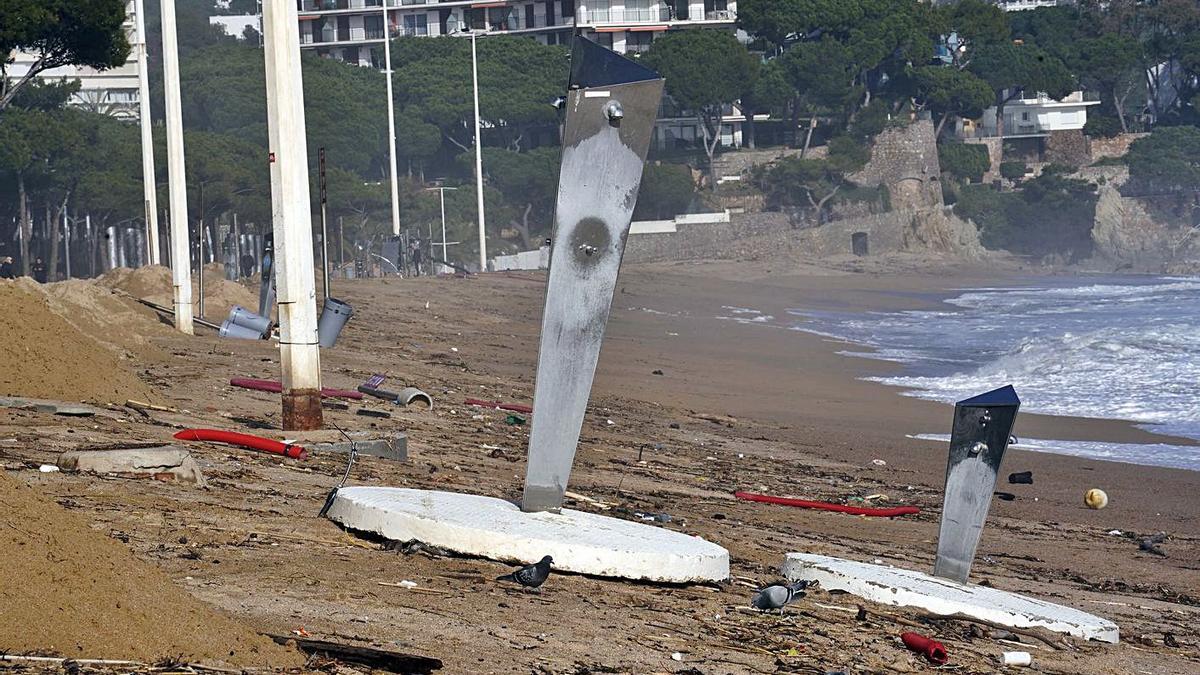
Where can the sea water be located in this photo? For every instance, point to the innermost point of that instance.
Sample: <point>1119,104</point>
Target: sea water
<point>1116,348</point>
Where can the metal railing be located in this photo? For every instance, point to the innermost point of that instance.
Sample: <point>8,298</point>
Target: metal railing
<point>627,15</point>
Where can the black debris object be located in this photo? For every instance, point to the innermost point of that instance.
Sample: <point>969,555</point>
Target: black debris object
<point>1021,478</point>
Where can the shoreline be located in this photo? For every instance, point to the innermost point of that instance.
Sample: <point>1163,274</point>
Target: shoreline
<point>792,387</point>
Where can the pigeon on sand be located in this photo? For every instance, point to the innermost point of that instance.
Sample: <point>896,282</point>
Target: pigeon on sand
<point>778,595</point>
<point>530,576</point>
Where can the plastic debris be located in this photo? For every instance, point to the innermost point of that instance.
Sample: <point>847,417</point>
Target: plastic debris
<point>878,462</point>
<point>1017,658</point>
<point>48,468</point>
<point>929,648</point>
<point>677,656</point>
<point>1021,478</point>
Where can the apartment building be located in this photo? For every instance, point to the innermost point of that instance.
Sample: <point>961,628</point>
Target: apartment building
<point>110,92</point>
<point>353,30</point>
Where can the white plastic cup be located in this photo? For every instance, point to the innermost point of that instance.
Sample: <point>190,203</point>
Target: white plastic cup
<point>1017,659</point>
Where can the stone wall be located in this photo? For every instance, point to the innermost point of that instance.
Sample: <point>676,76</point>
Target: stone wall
<point>1116,146</point>
<point>1066,147</point>
<point>742,237</point>
<point>905,159</point>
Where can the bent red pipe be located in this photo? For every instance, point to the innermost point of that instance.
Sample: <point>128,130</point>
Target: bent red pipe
<point>930,649</point>
<point>498,405</point>
<point>276,387</point>
<point>245,441</point>
<point>891,512</point>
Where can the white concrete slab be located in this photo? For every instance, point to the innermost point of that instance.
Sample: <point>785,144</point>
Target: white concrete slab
<point>496,529</point>
<point>906,588</point>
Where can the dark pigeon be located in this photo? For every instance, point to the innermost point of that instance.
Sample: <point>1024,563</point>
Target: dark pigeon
<point>530,576</point>
<point>778,595</point>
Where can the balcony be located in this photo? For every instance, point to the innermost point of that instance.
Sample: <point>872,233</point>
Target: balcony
<point>720,15</point>
<point>335,5</point>
<point>627,15</point>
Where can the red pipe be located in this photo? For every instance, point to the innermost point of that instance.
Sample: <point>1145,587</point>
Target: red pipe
<point>930,649</point>
<point>276,387</point>
<point>826,506</point>
<point>245,441</point>
<point>515,407</point>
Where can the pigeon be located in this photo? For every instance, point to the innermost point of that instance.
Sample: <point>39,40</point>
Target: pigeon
<point>530,576</point>
<point>778,595</point>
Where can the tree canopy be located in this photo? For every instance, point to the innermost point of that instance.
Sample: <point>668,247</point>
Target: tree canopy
<point>60,33</point>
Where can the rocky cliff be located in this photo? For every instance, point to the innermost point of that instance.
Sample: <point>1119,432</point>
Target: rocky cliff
<point>1128,238</point>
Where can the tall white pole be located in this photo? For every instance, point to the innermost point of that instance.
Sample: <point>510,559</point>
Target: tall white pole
<point>148,187</point>
<point>67,242</point>
<point>478,160</point>
<point>442,194</point>
<point>295,280</point>
<point>391,106</point>
<point>181,265</point>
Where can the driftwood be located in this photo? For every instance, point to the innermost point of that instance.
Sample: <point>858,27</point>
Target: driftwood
<point>370,657</point>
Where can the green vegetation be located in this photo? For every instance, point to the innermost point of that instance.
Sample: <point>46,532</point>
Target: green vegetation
<point>1167,160</point>
<point>705,72</point>
<point>1053,214</point>
<point>59,33</point>
<point>667,190</point>
<point>964,161</point>
<point>1013,170</point>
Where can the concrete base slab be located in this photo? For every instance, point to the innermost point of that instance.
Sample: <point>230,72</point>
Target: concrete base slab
<point>496,529</point>
<point>166,463</point>
<point>52,407</point>
<point>901,587</point>
<point>395,448</point>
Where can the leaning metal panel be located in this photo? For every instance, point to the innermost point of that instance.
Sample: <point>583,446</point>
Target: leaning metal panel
<point>610,113</point>
<point>982,427</point>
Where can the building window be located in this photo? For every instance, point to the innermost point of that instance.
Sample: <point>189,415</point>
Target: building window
<point>568,9</point>
<point>605,39</point>
<point>638,42</point>
<point>638,10</point>
<point>502,18</point>
<point>530,17</point>
<point>1025,116</point>
<point>600,11</point>
<point>373,27</point>
<point>681,10</point>
<point>416,24</point>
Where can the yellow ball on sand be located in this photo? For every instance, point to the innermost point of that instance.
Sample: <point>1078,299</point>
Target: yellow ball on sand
<point>1095,499</point>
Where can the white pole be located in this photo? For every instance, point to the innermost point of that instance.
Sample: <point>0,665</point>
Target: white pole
<point>67,242</point>
<point>442,194</point>
<point>147,136</point>
<point>181,266</point>
<point>391,106</point>
<point>293,259</point>
<point>478,160</point>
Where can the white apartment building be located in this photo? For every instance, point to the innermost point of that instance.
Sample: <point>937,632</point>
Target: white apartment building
<point>110,92</point>
<point>348,29</point>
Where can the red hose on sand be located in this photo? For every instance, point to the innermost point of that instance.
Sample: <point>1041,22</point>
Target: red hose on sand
<point>515,407</point>
<point>930,649</point>
<point>276,387</point>
<point>244,440</point>
<point>826,506</point>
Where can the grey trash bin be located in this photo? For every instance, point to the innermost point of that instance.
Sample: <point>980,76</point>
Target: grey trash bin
<point>334,316</point>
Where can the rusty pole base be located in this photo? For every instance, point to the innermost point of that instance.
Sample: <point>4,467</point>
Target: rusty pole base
<point>302,410</point>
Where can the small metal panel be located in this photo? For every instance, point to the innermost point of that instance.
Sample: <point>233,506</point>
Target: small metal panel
<point>605,139</point>
<point>982,426</point>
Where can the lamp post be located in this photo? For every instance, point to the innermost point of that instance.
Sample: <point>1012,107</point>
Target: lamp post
<point>148,188</point>
<point>478,148</point>
<point>391,104</point>
<point>478,159</point>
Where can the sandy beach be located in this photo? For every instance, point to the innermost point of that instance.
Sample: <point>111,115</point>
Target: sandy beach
<point>737,406</point>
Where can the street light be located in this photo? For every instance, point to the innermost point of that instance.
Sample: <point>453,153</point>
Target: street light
<point>442,194</point>
<point>387,65</point>
<point>478,148</point>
